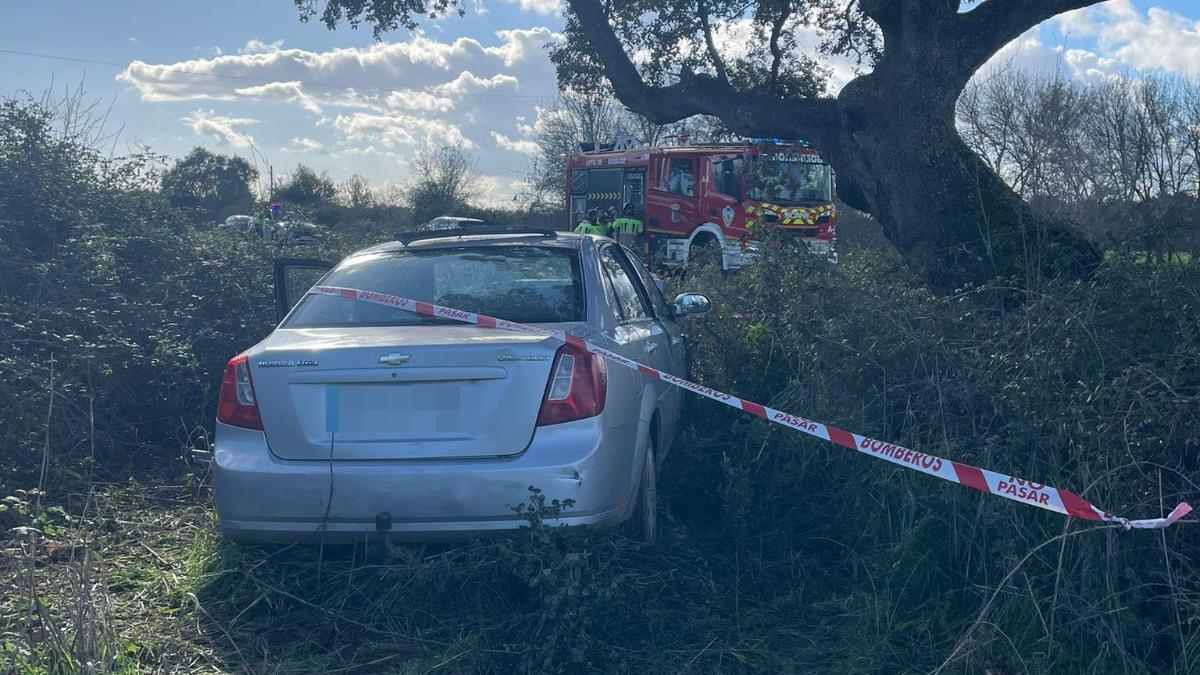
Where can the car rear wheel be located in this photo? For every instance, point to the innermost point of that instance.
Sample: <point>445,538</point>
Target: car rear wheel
<point>643,525</point>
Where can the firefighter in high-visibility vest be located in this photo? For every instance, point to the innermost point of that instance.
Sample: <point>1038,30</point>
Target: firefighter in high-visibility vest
<point>590,224</point>
<point>606,221</point>
<point>628,229</point>
<point>263,225</point>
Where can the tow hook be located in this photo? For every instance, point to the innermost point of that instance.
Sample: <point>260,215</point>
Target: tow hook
<point>383,521</point>
<point>202,458</point>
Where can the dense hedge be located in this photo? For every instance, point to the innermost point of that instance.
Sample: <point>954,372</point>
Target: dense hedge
<point>1090,385</point>
<point>133,306</point>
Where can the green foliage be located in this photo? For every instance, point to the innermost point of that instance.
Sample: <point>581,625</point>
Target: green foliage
<point>381,15</point>
<point>306,188</point>
<point>676,36</point>
<point>1090,386</point>
<point>122,299</point>
<point>46,182</point>
<point>210,185</point>
<point>19,510</point>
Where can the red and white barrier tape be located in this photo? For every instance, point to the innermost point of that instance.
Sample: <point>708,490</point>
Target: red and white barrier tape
<point>1010,487</point>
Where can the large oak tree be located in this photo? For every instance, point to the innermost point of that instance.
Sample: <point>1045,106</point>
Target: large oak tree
<point>889,134</point>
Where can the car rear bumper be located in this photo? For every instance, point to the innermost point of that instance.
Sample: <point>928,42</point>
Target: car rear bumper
<point>262,498</point>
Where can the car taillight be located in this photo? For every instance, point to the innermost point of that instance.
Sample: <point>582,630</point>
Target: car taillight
<point>577,387</point>
<point>236,404</point>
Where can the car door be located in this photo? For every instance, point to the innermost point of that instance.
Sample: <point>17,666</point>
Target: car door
<point>664,339</point>
<point>666,348</point>
<point>634,319</point>
<point>293,278</point>
<point>660,342</point>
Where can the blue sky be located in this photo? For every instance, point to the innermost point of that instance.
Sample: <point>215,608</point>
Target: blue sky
<point>248,78</point>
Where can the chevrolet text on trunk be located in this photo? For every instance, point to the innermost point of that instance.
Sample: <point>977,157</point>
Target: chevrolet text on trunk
<point>711,201</point>
<point>353,418</point>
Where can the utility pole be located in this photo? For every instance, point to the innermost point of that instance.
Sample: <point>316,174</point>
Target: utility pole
<point>271,190</point>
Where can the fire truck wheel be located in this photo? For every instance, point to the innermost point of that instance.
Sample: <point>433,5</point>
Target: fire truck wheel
<point>704,252</point>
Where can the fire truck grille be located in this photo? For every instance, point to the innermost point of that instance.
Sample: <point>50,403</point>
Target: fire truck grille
<point>803,231</point>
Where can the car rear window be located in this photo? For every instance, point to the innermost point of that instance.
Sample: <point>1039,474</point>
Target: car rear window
<point>528,284</point>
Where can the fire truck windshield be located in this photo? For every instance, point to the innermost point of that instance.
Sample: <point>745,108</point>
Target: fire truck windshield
<point>790,181</point>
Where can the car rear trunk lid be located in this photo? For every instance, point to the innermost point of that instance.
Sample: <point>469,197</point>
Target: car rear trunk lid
<point>400,393</point>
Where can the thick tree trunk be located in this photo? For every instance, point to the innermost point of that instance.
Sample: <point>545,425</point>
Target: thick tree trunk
<point>899,157</point>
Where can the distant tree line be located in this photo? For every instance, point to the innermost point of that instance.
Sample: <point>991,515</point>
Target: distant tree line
<point>1120,157</point>
<point>443,180</point>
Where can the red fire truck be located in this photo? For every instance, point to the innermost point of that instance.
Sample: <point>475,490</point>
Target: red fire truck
<point>695,199</point>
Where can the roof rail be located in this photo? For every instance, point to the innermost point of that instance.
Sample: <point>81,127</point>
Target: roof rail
<point>407,238</point>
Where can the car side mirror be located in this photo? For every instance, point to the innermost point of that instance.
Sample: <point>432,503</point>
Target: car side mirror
<point>691,304</point>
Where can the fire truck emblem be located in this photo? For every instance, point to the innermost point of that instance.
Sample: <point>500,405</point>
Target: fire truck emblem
<point>727,215</point>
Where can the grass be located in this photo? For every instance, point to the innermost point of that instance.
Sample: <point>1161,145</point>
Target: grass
<point>1145,258</point>
<point>172,596</point>
<point>140,541</point>
<point>177,598</point>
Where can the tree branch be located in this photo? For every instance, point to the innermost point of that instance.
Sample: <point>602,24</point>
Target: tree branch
<point>776,52</point>
<point>746,113</point>
<point>885,13</point>
<point>899,18</point>
<point>710,43</point>
<point>993,24</point>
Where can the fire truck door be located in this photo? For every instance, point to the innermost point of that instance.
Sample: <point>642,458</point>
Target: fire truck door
<point>578,209</point>
<point>723,200</point>
<point>578,191</point>
<point>673,196</point>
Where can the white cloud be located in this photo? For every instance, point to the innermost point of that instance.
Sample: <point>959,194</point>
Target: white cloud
<point>418,63</point>
<point>421,90</point>
<point>369,151</point>
<point>415,101</point>
<point>395,129</point>
<point>497,191</point>
<point>1158,39</point>
<point>1029,53</point>
<point>1124,39</point>
<point>292,92</point>
<point>256,46</point>
<point>537,6</point>
<point>469,83</point>
<point>302,144</point>
<point>515,144</point>
<point>224,129</point>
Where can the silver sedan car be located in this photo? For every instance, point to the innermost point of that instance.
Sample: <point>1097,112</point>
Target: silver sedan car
<point>354,419</point>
